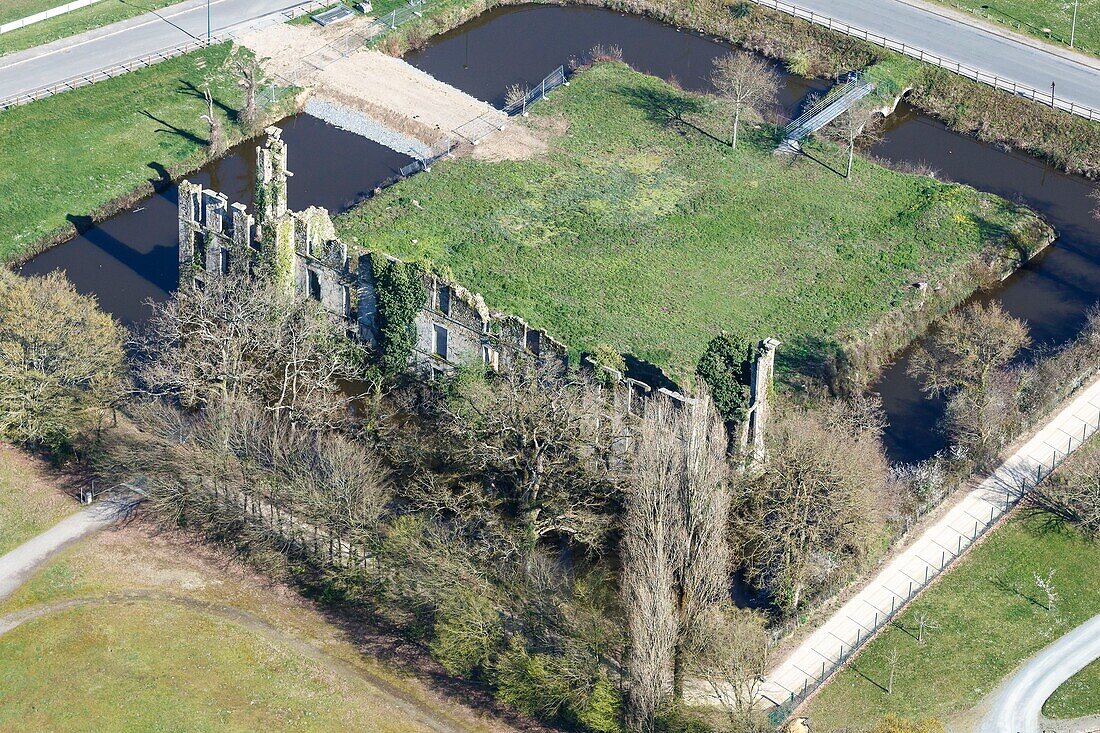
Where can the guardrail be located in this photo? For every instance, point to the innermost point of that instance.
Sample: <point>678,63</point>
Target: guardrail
<point>125,67</point>
<point>979,75</point>
<point>45,15</point>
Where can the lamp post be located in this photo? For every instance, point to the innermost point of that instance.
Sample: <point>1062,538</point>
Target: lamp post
<point>207,22</point>
<point>1073,28</point>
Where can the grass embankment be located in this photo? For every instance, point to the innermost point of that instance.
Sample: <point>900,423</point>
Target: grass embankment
<point>1034,17</point>
<point>29,503</point>
<point>164,633</point>
<point>76,157</point>
<point>653,237</point>
<point>1078,696</point>
<point>97,15</point>
<point>983,619</point>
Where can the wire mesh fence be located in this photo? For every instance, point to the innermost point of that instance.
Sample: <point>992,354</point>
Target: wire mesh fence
<point>552,81</point>
<point>1010,485</point>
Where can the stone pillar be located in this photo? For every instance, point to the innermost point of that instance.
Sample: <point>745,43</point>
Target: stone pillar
<point>763,368</point>
<point>274,226</point>
<point>190,209</point>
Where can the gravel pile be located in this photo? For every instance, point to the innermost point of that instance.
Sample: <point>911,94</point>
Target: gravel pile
<point>360,124</point>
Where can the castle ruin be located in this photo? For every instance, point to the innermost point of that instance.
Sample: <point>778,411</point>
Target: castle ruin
<point>454,327</point>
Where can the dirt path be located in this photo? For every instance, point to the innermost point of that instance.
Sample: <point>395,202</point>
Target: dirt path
<point>413,708</point>
<point>23,561</point>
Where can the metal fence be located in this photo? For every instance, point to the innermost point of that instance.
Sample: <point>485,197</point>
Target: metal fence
<point>552,81</point>
<point>125,67</point>
<point>834,659</point>
<point>1047,98</point>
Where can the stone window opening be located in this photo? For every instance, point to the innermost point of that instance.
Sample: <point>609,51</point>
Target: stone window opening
<point>199,247</point>
<point>439,341</point>
<point>314,285</point>
<point>225,261</point>
<point>347,301</point>
<point>445,299</point>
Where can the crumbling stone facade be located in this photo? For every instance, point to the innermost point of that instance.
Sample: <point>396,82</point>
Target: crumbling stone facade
<point>453,326</point>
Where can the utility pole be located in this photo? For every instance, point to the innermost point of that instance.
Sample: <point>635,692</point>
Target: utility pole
<point>1073,28</point>
<point>207,22</point>
<point>1052,94</point>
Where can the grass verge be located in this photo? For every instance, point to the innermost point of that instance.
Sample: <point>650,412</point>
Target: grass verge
<point>29,503</point>
<point>94,16</point>
<point>72,159</point>
<point>653,237</point>
<point>1077,697</point>
<point>983,619</point>
<point>1037,17</point>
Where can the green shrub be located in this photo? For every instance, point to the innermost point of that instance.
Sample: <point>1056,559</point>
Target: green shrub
<point>399,289</point>
<point>467,633</point>
<point>725,367</point>
<point>603,355</point>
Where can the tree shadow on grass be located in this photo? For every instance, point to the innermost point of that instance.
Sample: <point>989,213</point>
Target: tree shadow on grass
<point>666,106</point>
<point>188,88</point>
<point>1003,585</point>
<point>813,357</point>
<point>174,130</point>
<point>861,673</point>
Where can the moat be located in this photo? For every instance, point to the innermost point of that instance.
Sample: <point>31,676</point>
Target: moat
<point>131,257</point>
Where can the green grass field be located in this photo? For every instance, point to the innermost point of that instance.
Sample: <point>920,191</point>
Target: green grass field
<point>168,634</point>
<point>157,667</point>
<point>1031,17</point>
<point>28,505</point>
<point>990,615</point>
<point>66,156</point>
<point>1078,696</point>
<point>100,14</point>
<point>654,238</point>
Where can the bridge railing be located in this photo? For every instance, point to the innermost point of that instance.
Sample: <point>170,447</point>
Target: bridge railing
<point>140,62</point>
<point>972,72</point>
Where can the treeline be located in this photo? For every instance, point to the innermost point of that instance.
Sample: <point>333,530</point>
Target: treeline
<point>574,560</point>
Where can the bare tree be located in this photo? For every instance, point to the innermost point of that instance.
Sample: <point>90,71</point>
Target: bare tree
<point>814,513</point>
<point>1045,583</point>
<point>746,83</point>
<point>892,661</point>
<point>924,623</point>
<point>676,559</point>
<point>732,658</point>
<point>215,138</point>
<point>236,337</point>
<point>853,125</point>
<point>967,347</point>
<point>249,75</point>
<point>1073,494</point>
<point>60,357</point>
<point>537,447</point>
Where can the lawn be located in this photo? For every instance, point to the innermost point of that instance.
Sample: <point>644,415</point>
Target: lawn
<point>989,616</point>
<point>652,238</point>
<point>66,156</point>
<point>99,14</point>
<point>159,667</point>
<point>1031,17</point>
<point>29,502</point>
<point>1078,696</point>
<point>200,642</point>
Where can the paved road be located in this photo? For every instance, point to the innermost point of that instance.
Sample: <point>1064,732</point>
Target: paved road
<point>23,561</point>
<point>129,39</point>
<point>969,44</point>
<point>920,560</point>
<point>1020,700</point>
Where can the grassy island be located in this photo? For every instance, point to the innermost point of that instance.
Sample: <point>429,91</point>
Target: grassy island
<point>652,236</point>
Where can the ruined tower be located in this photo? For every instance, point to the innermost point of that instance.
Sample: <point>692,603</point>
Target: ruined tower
<point>763,368</point>
<point>274,229</point>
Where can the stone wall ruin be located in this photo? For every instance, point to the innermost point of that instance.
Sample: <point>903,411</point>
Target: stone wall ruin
<point>454,327</point>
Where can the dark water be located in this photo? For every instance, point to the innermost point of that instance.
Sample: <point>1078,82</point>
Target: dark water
<point>132,256</point>
<point>1051,293</point>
